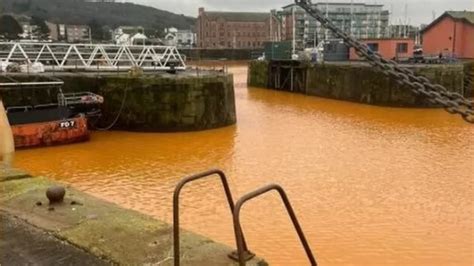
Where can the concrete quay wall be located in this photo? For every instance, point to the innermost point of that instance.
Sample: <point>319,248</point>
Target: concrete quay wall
<point>354,82</point>
<point>85,227</point>
<point>151,102</point>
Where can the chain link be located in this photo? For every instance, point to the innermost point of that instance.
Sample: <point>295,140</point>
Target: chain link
<point>453,102</point>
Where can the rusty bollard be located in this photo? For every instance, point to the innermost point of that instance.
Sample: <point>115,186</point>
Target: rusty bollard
<point>55,194</point>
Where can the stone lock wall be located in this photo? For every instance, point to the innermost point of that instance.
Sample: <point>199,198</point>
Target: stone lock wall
<point>258,74</point>
<point>364,84</point>
<point>166,104</point>
<point>154,103</point>
<point>469,79</point>
<point>361,83</point>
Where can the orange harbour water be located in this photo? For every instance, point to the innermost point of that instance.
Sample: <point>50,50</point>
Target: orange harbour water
<point>370,185</point>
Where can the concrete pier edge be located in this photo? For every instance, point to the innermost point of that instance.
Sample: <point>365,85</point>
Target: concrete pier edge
<point>103,229</point>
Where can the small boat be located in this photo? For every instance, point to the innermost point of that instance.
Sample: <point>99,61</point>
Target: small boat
<point>56,123</point>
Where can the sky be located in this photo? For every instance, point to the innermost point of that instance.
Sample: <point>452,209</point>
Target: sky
<point>418,11</point>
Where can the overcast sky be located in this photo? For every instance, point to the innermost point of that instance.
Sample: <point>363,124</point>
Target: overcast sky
<point>419,11</point>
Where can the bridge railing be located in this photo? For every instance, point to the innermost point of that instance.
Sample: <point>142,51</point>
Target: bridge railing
<point>105,57</point>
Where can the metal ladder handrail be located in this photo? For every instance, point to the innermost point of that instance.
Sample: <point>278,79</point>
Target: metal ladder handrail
<point>238,229</point>
<point>230,200</point>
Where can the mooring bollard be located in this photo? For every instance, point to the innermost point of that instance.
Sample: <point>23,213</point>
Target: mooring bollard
<point>55,194</point>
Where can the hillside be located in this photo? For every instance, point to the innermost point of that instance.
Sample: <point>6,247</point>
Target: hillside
<point>110,14</point>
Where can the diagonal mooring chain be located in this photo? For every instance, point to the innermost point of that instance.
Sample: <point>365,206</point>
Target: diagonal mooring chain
<point>453,102</point>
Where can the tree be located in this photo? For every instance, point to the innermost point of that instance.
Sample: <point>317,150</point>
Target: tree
<point>97,30</point>
<point>9,27</point>
<point>21,6</point>
<point>107,33</point>
<point>41,30</point>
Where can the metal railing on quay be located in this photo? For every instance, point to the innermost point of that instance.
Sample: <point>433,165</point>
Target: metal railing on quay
<point>245,253</point>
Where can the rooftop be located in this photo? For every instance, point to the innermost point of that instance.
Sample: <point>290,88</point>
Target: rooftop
<point>339,4</point>
<point>239,16</point>
<point>465,16</point>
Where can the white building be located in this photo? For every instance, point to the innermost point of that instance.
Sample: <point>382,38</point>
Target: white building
<point>28,30</point>
<point>180,38</point>
<point>122,38</point>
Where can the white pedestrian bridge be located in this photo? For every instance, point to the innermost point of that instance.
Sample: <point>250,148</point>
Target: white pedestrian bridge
<point>92,57</point>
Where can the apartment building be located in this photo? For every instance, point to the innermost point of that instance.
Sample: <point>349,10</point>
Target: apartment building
<point>363,21</point>
<point>76,33</point>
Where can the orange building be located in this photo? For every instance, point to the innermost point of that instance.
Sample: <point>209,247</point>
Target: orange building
<point>389,48</point>
<point>452,32</point>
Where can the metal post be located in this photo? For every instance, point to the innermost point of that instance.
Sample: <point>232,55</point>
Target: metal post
<point>291,74</point>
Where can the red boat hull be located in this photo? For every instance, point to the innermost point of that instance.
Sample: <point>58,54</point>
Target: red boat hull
<point>50,133</point>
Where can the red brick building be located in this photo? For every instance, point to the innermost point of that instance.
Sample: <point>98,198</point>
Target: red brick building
<point>234,29</point>
<point>388,48</point>
<point>452,32</point>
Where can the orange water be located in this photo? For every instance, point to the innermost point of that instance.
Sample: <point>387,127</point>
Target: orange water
<point>370,185</point>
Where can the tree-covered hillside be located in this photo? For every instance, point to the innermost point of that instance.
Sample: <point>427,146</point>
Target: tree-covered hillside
<point>110,14</point>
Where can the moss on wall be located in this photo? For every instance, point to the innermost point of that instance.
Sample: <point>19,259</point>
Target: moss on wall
<point>258,74</point>
<point>469,79</point>
<point>360,83</point>
<point>366,85</point>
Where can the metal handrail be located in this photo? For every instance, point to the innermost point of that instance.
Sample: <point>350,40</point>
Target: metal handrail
<point>239,236</point>
<point>249,255</point>
<point>61,56</point>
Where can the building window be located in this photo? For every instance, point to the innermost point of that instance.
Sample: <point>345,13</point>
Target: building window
<point>374,47</point>
<point>402,47</point>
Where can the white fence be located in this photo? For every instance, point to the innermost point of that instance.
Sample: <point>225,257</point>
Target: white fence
<point>92,57</point>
